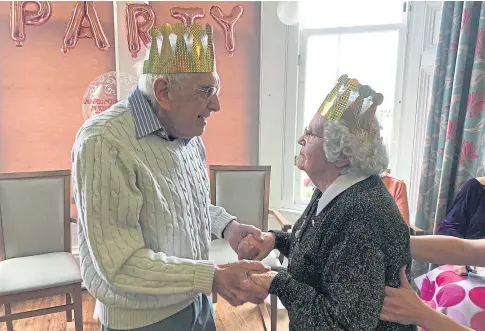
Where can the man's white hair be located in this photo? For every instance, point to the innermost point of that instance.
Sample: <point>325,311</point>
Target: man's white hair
<point>366,158</point>
<point>146,81</point>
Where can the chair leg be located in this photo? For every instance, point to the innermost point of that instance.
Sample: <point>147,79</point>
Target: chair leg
<point>214,297</point>
<point>274,312</point>
<point>8,311</point>
<point>69,312</point>
<point>78,308</point>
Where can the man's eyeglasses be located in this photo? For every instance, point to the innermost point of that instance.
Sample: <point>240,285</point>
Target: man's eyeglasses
<point>208,91</point>
<point>309,133</point>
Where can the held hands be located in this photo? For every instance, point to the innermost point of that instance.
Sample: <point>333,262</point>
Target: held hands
<point>235,232</point>
<point>402,305</point>
<point>232,282</point>
<point>263,280</point>
<point>252,248</point>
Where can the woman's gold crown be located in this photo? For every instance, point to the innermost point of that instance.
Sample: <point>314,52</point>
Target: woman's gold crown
<point>183,50</point>
<point>352,105</point>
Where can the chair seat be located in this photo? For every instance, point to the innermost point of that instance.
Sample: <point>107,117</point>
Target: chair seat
<point>221,252</point>
<point>37,272</point>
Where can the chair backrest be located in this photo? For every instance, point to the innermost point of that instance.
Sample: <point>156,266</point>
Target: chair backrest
<point>34,213</point>
<point>243,191</point>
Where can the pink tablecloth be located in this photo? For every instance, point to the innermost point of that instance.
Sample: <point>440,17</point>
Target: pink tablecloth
<point>459,297</point>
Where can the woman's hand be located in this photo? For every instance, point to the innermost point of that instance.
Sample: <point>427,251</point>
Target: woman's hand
<point>402,305</point>
<point>263,280</point>
<point>251,248</point>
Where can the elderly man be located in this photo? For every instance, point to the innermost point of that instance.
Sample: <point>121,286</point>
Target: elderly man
<point>141,190</point>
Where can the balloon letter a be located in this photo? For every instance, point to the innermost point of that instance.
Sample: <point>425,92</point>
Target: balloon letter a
<point>84,12</point>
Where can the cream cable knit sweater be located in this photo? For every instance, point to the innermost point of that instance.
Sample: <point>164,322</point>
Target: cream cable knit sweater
<point>144,222</point>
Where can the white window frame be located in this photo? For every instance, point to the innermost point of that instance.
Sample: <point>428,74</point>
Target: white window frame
<point>279,119</point>
<point>292,198</point>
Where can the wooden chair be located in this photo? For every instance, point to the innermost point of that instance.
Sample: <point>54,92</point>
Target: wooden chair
<point>244,192</point>
<point>35,244</point>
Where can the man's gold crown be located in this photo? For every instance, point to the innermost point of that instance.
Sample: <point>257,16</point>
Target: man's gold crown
<point>352,105</point>
<point>183,50</point>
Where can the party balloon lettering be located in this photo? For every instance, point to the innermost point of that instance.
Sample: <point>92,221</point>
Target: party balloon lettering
<point>228,23</point>
<point>20,16</point>
<point>138,30</point>
<point>84,12</point>
<point>187,15</point>
<point>140,18</point>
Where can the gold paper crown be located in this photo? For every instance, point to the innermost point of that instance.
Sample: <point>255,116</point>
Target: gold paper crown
<point>183,50</point>
<point>352,105</point>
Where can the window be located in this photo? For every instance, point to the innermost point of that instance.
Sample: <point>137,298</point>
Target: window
<point>379,43</point>
<point>364,43</point>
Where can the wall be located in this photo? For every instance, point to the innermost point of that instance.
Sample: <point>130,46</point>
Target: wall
<point>41,89</point>
<point>232,134</point>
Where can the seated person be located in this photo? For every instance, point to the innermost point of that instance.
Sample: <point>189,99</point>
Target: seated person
<point>466,216</point>
<point>397,189</point>
<point>351,240</point>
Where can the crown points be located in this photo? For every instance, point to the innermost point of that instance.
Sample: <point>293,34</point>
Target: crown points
<point>352,105</point>
<point>378,99</point>
<point>365,91</point>
<point>166,29</point>
<point>196,30</point>
<point>179,30</point>
<point>184,49</point>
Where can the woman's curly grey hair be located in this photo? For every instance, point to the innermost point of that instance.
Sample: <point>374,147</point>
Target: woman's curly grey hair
<point>366,158</point>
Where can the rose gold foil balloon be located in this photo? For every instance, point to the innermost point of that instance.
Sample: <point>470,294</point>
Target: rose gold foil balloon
<point>102,92</point>
<point>228,23</point>
<point>187,15</point>
<point>84,23</point>
<point>137,29</point>
<point>21,16</point>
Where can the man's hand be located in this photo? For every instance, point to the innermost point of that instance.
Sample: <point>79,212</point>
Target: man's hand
<point>232,282</point>
<point>252,249</point>
<point>402,305</point>
<point>235,232</point>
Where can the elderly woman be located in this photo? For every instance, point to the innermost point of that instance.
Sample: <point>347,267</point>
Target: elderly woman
<point>351,240</point>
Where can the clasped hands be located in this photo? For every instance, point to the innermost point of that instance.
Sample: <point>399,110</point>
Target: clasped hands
<point>245,280</point>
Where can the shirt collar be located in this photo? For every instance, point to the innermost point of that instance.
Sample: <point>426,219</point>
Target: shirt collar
<point>146,121</point>
<point>341,184</point>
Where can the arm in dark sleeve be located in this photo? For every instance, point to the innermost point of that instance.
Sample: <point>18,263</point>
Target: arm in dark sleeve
<point>456,220</point>
<point>283,242</point>
<point>352,298</point>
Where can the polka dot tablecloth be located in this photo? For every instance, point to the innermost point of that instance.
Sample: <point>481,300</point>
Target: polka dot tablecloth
<point>459,297</point>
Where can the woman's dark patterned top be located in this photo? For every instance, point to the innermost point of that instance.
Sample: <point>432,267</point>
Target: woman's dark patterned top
<point>341,260</point>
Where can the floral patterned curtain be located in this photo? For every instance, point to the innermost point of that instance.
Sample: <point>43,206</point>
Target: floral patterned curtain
<point>455,136</point>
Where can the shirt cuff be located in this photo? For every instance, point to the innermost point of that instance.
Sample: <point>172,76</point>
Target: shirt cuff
<point>204,277</point>
<point>281,238</point>
<point>279,283</point>
<point>219,221</point>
